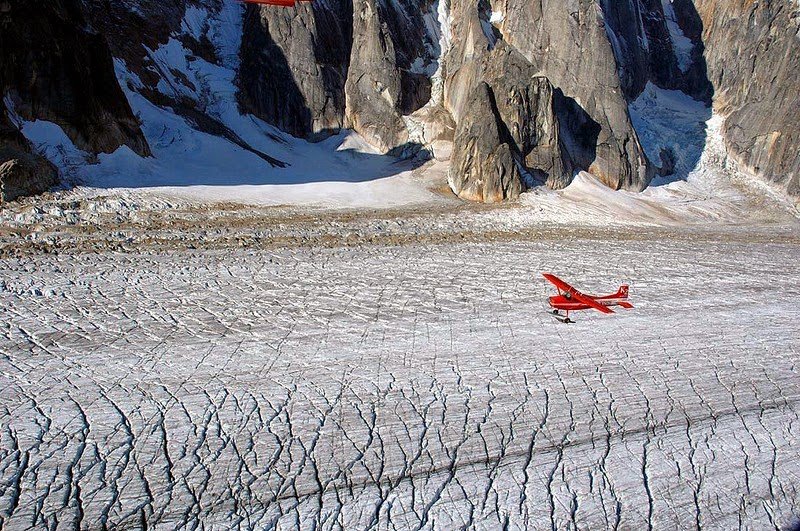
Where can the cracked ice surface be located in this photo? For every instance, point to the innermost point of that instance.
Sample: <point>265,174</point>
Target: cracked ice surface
<point>401,387</point>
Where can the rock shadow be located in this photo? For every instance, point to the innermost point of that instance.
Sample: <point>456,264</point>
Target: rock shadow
<point>578,132</point>
<point>267,84</point>
<point>671,110</point>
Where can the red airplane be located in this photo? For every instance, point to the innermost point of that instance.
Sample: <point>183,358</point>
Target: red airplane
<point>281,3</point>
<point>569,299</point>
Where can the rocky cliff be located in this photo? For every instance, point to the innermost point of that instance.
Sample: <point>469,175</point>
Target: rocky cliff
<point>293,68</point>
<point>512,92</point>
<point>53,68</point>
<point>407,59</point>
<point>22,172</point>
<point>571,44</point>
<point>753,55</point>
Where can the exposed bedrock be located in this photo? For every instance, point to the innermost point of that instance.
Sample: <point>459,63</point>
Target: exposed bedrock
<point>483,165</point>
<point>509,132</point>
<point>373,90</point>
<point>527,106</point>
<point>570,44</point>
<point>54,69</point>
<point>393,55</point>
<point>134,28</point>
<point>23,173</point>
<point>753,55</point>
<point>294,66</point>
<point>405,72</point>
<point>380,75</point>
<point>362,64</point>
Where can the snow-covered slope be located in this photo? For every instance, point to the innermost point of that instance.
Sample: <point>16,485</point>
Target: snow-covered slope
<point>225,162</point>
<point>186,91</point>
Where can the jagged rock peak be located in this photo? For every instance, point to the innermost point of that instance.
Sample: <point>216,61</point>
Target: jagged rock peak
<point>552,81</point>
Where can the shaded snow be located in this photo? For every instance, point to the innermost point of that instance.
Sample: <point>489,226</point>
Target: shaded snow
<point>340,172</point>
<point>343,171</point>
<point>52,142</point>
<point>673,121</point>
<point>194,21</point>
<point>436,39</point>
<point>681,44</point>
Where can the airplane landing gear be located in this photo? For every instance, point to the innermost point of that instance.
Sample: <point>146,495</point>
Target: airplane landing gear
<point>563,318</point>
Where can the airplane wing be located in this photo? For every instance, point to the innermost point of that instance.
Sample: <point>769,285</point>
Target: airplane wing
<point>588,301</point>
<point>557,282</point>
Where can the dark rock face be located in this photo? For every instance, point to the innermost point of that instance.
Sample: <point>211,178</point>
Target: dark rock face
<point>133,27</point>
<point>588,127</point>
<point>54,69</point>
<point>562,99</point>
<point>22,172</point>
<point>527,107</point>
<point>138,29</point>
<point>646,50</point>
<point>753,55</point>
<point>695,81</point>
<point>294,66</point>
<point>311,71</point>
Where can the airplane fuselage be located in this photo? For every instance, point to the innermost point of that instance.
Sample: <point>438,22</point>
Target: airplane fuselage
<point>562,302</point>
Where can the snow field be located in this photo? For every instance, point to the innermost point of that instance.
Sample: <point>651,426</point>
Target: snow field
<point>397,387</point>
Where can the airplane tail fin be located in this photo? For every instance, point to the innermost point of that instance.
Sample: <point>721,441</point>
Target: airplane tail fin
<point>626,305</point>
<point>623,292</point>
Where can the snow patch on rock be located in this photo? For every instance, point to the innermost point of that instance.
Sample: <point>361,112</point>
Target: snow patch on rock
<point>681,44</point>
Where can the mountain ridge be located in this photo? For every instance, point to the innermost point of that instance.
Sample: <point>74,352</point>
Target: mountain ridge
<point>511,93</point>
